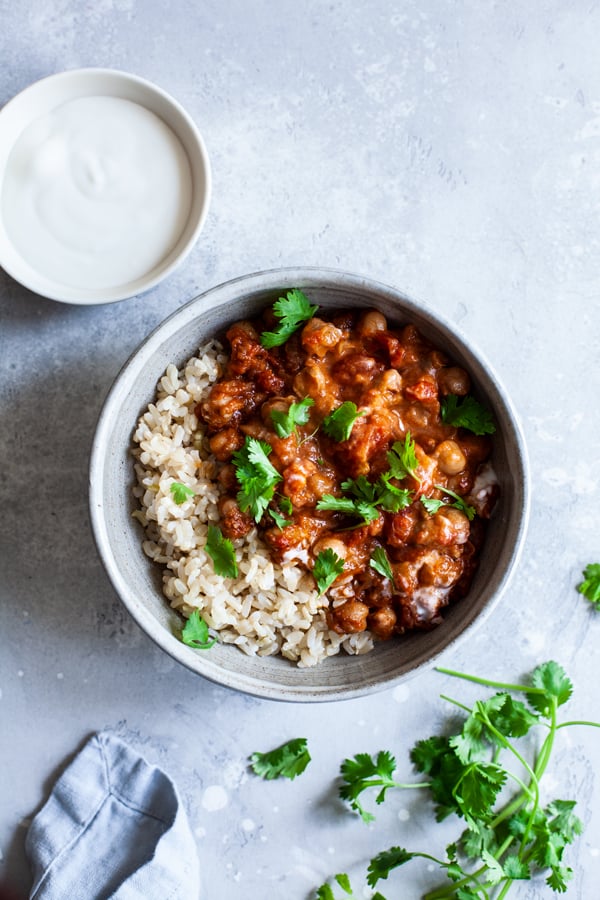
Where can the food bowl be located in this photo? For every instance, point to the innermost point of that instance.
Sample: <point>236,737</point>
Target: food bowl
<point>137,580</point>
<point>104,186</point>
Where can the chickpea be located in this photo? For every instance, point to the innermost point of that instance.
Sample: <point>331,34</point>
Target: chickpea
<point>372,322</point>
<point>224,443</point>
<point>451,459</point>
<point>453,380</point>
<point>331,543</point>
<point>352,616</point>
<point>382,622</point>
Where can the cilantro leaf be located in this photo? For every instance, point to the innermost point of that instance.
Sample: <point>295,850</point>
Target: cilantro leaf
<point>402,459</point>
<point>256,476</point>
<point>285,504</point>
<point>181,492</point>
<point>338,424</point>
<point>221,552</point>
<point>392,498</point>
<point>363,772</point>
<point>325,892</point>
<point>380,562</point>
<point>431,504</point>
<point>558,878</point>
<point>516,868</point>
<point>298,414</point>
<point>344,882</point>
<point>293,310</point>
<point>459,502</point>
<point>382,864</point>
<point>328,565</point>
<point>279,520</point>
<point>552,679</point>
<point>195,633</point>
<point>467,413</point>
<point>590,586</point>
<point>286,761</point>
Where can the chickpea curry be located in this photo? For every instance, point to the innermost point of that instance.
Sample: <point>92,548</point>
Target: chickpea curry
<point>358,451</point>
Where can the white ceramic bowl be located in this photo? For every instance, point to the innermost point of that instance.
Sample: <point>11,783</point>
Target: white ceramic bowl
<point>137,580</point>
<point>51,94</point>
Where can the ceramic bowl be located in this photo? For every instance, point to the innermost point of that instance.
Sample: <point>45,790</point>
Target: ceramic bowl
<point>89,163</point>
<point>137,580</point>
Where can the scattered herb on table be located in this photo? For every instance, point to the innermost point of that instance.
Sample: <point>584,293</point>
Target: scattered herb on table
<point>467,413</point>
<point>181,492</point>
<point>292,311</point>
<point>195,633</point>
<point>328,565</point>
<point>222,553</point>
<point>285,423</point>
<point>339,424</point>
<point>590,586</point>
<point>256,476</point>
<point>465,773</point>
<point>287,761</point>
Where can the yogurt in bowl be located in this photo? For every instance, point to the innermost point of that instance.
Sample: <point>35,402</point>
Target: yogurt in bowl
<point>105,186</point>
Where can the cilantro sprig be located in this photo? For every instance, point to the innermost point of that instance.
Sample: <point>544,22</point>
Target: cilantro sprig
<point>339,424</point>
<point>590,586</point>
<point>402,459</point>
<point>364,498</point>
<point>292,311</point>
<point>195,633</point>
<point>467,413</point>
<point>506,838</point>
<point>256,476</point>
<point>328,565</point>
<point>433,505</point>
<point>286,761</point>
<point>285,423</point>
<point>222,553</point>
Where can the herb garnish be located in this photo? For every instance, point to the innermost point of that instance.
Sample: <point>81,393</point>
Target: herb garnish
<point>256,476</point>
<point>195,633</point>
<point>279,520</point>
<point>467,413</point>
<point>286,761</point>
<point>465,773</point>
<point>402,459</point>
<point>338,424</point>
<point>432,505</point>
<point>381,563</point>
<point>221,552</point>
<point>298,414</point>
<point>590,586</point>
<point>181,492</point>
<point>367,497</point>
<point>293,310</point>
<point>328,565</point>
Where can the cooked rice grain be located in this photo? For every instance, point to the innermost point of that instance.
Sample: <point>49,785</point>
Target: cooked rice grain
<point>269,608</point>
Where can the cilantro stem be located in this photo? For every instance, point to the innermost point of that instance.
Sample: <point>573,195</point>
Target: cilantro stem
<point>578,722</point>
<point>521,688</point>
<point>450,889</point>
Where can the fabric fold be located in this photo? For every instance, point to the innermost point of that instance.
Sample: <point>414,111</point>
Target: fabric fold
<point>113,826</point>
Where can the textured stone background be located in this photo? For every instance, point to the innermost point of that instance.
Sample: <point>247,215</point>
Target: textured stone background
<point>449,148</point>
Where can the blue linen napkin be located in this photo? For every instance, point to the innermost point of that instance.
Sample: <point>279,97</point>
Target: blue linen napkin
<point>113,826</point>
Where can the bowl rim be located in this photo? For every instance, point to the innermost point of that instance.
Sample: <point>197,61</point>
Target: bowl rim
<point>266,280</point>
<point>61,85</point>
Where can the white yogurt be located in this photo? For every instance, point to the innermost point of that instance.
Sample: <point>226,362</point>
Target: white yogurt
<point>96,193</point>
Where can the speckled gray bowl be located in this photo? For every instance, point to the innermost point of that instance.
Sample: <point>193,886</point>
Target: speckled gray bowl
<point>137,580</point>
